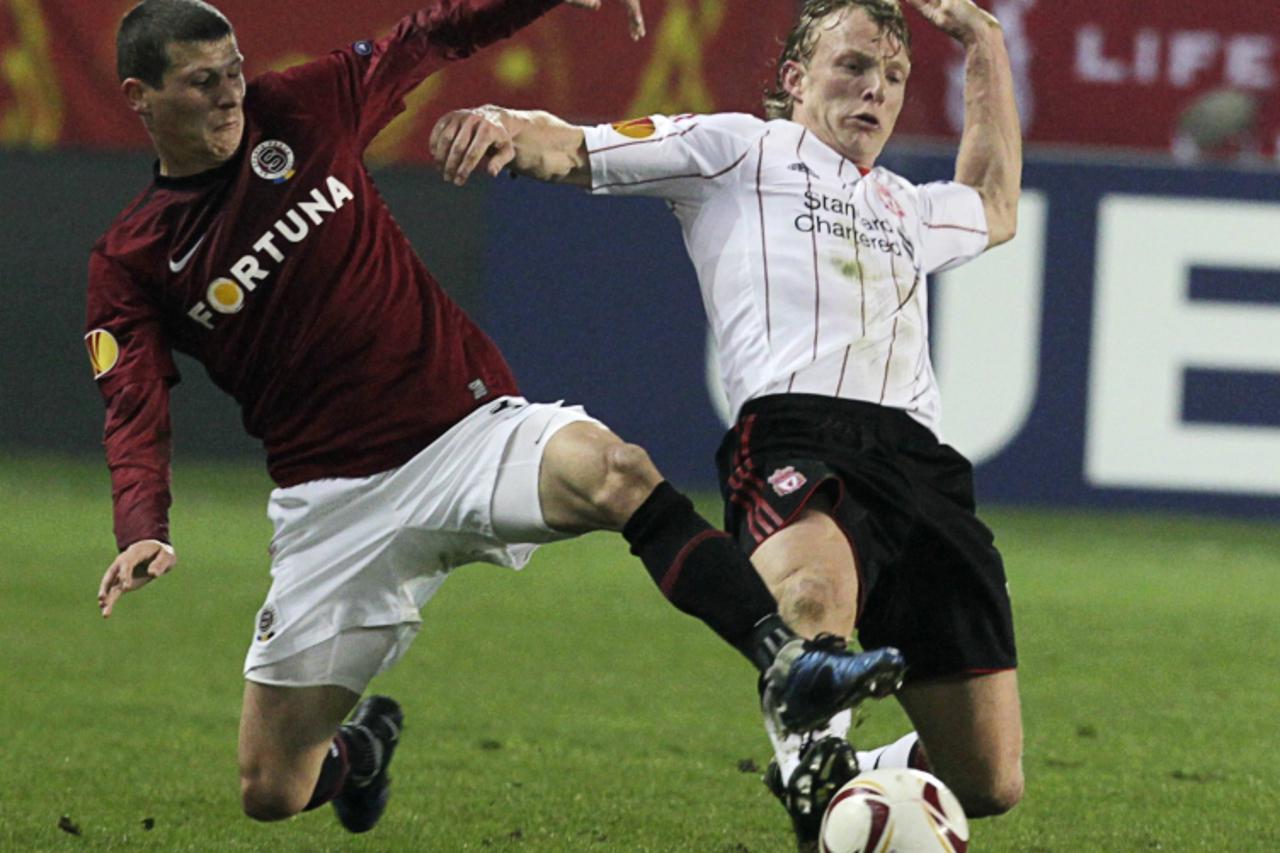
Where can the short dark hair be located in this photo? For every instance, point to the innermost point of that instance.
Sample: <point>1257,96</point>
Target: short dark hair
<point>142,43</point>
<point>803,38</point>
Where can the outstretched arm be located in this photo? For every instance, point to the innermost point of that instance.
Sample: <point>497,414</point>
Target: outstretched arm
<point>990,158</point>
<point>133,367</point>
<point>536,144</point>
<point>136,437</point>
<point>363,86</point>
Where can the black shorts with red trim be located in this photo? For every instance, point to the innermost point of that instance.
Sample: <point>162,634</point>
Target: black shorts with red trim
<point>931,581</point>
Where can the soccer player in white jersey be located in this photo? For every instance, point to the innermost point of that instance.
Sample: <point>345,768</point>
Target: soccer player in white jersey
<point>813,264</point>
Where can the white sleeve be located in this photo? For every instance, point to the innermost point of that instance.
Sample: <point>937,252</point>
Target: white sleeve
<point>680,159</point>
<point>953,225</point>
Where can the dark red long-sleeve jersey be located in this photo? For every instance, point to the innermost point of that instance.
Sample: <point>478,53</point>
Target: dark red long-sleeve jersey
<point>283,272</point>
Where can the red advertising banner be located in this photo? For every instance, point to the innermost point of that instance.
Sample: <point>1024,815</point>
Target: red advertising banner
<point>1089,72</point>
<point>58,82</point>
<point>1119,72</point>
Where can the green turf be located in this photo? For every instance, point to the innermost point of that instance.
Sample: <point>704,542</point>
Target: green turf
<point>569,708</point>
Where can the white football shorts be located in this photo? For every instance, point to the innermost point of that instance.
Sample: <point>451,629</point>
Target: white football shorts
<point>355,559</point>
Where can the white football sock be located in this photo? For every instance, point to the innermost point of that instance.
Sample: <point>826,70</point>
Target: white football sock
<point>896,754</point>
<point>787,748</point>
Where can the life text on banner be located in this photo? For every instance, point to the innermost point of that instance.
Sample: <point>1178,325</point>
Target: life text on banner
<point>1097,72</point>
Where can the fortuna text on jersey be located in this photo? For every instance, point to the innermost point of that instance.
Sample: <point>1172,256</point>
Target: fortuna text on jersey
<point>226,295</point>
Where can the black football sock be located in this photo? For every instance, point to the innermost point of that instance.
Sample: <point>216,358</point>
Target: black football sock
<point>333,772</point>
<point>703,573</point>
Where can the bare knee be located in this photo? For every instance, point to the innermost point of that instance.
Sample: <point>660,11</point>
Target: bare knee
<point>986,786</point>
<point>284,735</point>
<point>629,478</point>
<point>993,796</point>
<point>592,480</point>
<point>266,799</point>
<point>808,601</point>
<point>810,568</point>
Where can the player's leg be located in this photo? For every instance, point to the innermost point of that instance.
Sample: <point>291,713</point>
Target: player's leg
<point>971,729</point>
<point>587,478</point>
<point>296,754</point>
<point>592,480</point>
<point>807,535</point>
<point>286,733</point>
<point>811,568</point>
<point>947,600</point>
<point>337,565</point>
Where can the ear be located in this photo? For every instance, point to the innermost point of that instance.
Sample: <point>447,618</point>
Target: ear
<point>793,79</point>
<point>137,94</point>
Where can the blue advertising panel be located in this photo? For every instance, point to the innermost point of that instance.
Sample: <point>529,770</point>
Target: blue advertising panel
<point>1124,350</point>
<point>593,301</point>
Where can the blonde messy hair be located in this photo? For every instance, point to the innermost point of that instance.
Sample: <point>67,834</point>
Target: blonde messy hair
<point>803,39</point>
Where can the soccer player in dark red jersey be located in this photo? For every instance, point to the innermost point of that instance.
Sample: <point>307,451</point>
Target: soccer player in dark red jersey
<point>393,428</point>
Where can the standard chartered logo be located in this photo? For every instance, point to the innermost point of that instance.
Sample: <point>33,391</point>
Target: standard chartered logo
<point>227,294</point>
<point>838,217</point>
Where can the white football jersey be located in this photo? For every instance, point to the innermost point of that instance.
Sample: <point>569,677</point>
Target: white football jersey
<point>812,273</point>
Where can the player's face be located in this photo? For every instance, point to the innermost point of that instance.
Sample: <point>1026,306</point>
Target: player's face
<point>197,117</point>
<point>850,92</point>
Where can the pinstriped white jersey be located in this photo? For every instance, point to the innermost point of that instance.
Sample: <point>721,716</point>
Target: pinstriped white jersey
<point>812,273</point>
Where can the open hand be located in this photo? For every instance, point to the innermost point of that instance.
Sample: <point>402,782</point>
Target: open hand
<point>961,19</point>
<point>635,17</point>
<point>463,139</point>
<point>136,566</point>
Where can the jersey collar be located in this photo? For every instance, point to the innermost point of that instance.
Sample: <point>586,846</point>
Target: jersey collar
<point>201,179</point>
<point>824,159</point>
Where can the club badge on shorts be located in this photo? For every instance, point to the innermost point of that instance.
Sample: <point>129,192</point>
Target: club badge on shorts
<point>786,480</point>
<point>272,161</point>
<point>267,619</point>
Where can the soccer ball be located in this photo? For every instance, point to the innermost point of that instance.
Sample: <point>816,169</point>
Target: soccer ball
<point>894,811</point>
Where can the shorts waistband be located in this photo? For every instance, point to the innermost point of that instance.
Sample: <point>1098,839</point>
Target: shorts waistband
<point>894,425</point>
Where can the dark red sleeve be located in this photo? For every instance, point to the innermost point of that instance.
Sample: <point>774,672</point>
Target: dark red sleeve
<point>363,86</point>
<point>137,439</point>
<point>134,369</point>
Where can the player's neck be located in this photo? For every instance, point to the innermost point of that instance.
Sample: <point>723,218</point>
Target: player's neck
<point>176,161</point>
<point>864,162</point>
<point>180,167</point>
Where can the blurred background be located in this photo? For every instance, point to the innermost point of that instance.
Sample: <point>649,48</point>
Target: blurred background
<point>1123,351</point>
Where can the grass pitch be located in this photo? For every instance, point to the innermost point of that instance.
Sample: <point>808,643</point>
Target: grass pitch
<point>568,708</point>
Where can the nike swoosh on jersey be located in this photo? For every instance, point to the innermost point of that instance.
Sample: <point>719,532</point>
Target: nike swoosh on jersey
<point>181,264</point>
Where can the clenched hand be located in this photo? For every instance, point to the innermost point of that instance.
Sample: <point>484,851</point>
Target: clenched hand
<point>963,20</point>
